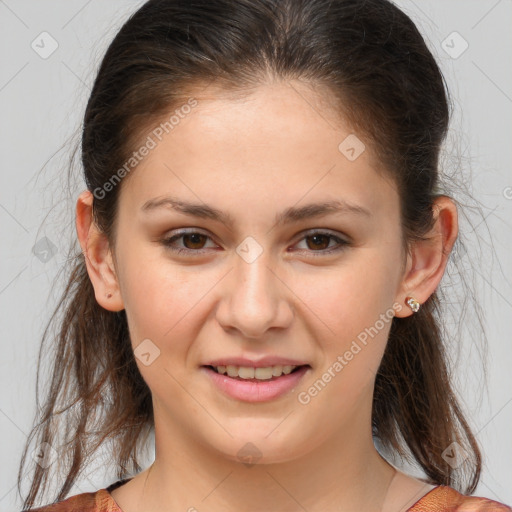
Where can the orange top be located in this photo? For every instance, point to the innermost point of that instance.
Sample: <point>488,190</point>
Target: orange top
<point>441,498</point>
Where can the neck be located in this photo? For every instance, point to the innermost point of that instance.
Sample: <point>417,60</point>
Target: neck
<point>345,473</point>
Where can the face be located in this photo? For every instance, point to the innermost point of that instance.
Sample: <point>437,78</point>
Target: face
<point>258,271</point>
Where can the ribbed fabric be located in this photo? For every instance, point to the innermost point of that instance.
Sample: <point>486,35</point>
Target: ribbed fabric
<point>446,499</point>
<point>439,499</point>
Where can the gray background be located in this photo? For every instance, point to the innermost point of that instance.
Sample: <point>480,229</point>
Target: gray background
<point>42,101</point>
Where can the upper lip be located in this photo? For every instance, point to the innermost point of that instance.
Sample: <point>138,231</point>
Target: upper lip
<point>260,363</point>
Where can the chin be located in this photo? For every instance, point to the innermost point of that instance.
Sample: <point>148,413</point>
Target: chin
<point>261,447</point>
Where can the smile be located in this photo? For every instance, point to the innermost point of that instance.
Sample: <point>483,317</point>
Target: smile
<point>251,384</point>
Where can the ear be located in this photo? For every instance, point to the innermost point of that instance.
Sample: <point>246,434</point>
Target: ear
<point>98,256</point>
<point>427,259</point>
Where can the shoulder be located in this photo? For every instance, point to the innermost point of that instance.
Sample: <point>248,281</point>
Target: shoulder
<point>446,499</point>
<point>99,501</point>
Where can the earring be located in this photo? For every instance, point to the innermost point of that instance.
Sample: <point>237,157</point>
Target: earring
<point>413,304</point>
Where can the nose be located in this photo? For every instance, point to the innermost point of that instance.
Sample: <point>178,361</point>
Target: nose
<point>255,298</point>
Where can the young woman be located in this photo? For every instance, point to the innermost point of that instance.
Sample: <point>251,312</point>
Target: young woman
<point>263,233</point>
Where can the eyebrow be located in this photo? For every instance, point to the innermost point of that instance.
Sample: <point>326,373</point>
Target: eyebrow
<point>288,216</point>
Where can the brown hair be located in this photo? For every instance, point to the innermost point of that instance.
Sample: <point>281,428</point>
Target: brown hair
<point>370,57</point>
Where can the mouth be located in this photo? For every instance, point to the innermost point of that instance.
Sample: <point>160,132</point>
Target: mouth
<point>250,384</point>
<point>268,373</point>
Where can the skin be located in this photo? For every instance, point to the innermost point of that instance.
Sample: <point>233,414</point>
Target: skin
<point>255,157</point>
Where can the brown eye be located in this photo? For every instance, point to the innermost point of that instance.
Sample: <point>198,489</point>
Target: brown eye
<point>319,241</point>
<point>192,242</point>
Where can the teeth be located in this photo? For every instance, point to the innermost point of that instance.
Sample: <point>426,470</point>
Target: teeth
<point>246,372</point>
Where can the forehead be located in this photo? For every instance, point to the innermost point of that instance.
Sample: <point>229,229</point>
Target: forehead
<point>280,142</point>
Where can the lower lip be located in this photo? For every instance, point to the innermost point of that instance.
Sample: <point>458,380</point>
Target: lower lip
<point>254,390</point>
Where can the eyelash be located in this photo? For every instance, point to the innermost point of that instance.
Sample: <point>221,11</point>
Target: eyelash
<point>167,242</point>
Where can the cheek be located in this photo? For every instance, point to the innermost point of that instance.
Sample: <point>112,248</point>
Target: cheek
<point>353,313</point>
<point>354,295</point>
<point>166,302</point>
<point>353,307</point>
<point>163,305</point>
<point>160,299</point>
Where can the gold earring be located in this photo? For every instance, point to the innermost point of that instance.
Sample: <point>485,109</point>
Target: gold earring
<point>413,304</point>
